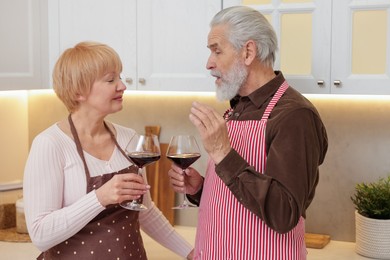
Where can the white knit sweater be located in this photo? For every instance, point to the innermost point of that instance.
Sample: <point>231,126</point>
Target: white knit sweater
<point>55,199</point>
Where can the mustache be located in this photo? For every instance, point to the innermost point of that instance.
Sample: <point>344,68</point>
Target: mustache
<point>215,73</point>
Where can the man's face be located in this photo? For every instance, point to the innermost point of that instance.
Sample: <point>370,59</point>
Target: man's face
<point>231,81</point>
<point>225,64</point>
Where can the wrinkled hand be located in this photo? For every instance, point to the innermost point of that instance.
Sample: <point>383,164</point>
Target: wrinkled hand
<point>212,129</point>
<point>121,187</point>
<point>190,182</point>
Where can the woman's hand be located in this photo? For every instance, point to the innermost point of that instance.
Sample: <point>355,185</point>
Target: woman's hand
<point>190,182</point>
<point>121,187</point>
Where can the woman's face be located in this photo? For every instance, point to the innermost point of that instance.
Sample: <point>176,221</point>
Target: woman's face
<point>106,94</point>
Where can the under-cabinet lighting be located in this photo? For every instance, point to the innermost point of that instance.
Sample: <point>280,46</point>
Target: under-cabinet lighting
<point>169,93</point>
<point>139,92</point>
<point>346,97</point>
<point>13,93</point>
<point>40,91</point>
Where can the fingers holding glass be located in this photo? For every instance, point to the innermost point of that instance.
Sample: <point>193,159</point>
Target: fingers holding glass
<point>142,153</point>
<point>183,151</point>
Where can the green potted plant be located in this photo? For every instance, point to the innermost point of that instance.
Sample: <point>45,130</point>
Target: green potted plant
<point>372,216</point>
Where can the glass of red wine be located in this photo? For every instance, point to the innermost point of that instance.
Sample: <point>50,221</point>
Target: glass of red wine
<point>183,151</point>
<point>143,151</point>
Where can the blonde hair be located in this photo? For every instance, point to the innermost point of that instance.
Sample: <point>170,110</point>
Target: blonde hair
<point>79,67</point>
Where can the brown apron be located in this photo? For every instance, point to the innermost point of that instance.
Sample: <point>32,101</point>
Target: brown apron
<point>113,234</point>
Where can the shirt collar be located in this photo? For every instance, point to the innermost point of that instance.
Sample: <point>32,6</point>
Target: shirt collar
<point>262,94</point>
<point>234,101</point>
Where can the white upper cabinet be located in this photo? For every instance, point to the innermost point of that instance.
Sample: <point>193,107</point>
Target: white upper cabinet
<point>361,47</point>
<point>331,46</point>
<point>171,44</point>
<point>111,22</point>
<point>162,43</point>
<point>23,45</point>
<point>325,46</point>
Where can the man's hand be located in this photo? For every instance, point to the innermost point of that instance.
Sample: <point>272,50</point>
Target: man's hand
<point>212,129</point>
<point>190,182</point>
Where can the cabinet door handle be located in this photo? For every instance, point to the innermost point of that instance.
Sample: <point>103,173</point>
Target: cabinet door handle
<point>320,83</point>
<point>337,83</point>
<point>142,81</point>
<point>129,81</point>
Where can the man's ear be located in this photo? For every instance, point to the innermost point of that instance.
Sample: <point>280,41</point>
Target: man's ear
<point>250,52</point>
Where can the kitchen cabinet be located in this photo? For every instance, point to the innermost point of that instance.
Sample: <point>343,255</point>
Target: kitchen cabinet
<point>361,47</point>
<point>162,43</point>
<point>23,45</point>
<point>337,47</point>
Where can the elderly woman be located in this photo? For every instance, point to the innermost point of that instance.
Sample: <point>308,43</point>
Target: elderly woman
<point>77,172</point>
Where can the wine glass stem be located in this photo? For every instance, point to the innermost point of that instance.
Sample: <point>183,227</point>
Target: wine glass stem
<point>139,171</point>
<point>185,201</point>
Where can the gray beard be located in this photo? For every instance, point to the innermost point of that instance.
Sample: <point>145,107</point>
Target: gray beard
<point>232,82</point>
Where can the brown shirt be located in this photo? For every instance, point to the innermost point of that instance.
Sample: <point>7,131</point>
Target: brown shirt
<point>296,144</point>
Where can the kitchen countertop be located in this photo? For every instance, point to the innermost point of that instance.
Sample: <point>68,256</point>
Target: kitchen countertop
<point>335,250</point>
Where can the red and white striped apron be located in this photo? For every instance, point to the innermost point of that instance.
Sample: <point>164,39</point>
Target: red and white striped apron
<point>226,229</point>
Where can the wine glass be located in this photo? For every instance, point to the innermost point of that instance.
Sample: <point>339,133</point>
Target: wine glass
<point>183,151</point>
<point>143,151</point>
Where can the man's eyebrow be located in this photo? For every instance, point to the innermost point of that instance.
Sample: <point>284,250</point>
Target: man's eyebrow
<point>214,45</point>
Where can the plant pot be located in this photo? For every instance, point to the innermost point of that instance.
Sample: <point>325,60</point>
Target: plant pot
<point>372,237</point>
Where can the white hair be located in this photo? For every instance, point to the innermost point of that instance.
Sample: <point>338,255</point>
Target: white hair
<point>245,23</point>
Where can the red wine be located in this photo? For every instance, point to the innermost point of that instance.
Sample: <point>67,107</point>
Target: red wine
<point>184,160</point>
<point>142,159</point>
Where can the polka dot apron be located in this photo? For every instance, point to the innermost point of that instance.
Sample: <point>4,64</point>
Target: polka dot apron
<point>113,234</point>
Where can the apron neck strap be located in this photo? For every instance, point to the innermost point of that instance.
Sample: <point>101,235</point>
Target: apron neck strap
<point>78,145</point>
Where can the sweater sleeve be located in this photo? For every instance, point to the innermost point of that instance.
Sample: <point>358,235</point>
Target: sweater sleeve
<point>154,223</point>
<point>48,222</point>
